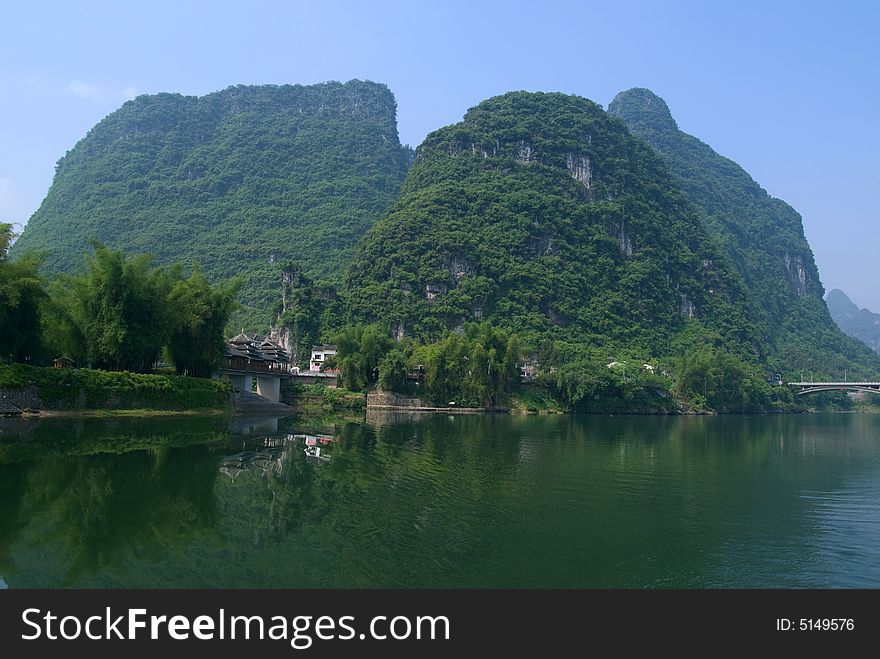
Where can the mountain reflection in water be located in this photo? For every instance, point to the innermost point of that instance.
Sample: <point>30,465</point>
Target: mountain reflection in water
<point>438,501</point>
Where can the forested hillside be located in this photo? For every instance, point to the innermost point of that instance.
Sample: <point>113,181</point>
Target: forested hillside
<point>543,215</point>
<point>764,240</point>
<point>240,181</point>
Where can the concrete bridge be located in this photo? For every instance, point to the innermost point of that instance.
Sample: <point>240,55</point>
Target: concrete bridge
<point>268,382</point>
<point>803,388</point>
<point>256,363</point>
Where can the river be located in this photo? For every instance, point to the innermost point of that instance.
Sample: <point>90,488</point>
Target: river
<point>442,501</point>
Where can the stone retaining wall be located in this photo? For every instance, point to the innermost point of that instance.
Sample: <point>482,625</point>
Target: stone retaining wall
<point>387,400</point>
<point>16,401</point>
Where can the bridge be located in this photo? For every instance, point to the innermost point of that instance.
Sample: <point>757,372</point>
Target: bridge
<point>803,388</point>
<point>256,363</point>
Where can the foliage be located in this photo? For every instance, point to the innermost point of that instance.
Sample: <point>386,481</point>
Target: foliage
<point>393,371</point>
<point>199,313</point>
<point>21,295</point>
<point>93,389</point>
<point>120,312</point>
<point>544,216</point>
<point>595,385</point>
<point>327,398</point>
<point>359,349</point>
<point>269,173</point>
<point>478,368</point>
<point>114,314</point>
<point>536,398</point>
<point>762,237</point>
<point>717,380</point>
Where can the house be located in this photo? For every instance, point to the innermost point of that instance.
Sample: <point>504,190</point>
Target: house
<point>416,375</point>
<point>63,362</point>
<point>320,355</point>
<point>528,369</point>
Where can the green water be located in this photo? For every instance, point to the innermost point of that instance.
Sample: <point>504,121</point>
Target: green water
<point>439,501</point>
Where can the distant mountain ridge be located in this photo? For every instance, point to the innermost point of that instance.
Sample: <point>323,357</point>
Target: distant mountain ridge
<point>861,324</point>
<point>763,238</point>
<point>240,180</point>
<point>539,212</point>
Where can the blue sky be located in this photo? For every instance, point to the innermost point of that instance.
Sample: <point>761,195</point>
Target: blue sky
<point>787,89</point>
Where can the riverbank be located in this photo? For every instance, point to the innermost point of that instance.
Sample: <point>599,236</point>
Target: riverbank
<point>533,399</point>
<point>110,413</point>
<point>28,390</point>
<point>387,400</point>
<point>317,400</point>
<point>35,390</point>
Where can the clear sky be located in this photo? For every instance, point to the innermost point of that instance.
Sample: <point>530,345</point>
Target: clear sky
<point>787,89</point>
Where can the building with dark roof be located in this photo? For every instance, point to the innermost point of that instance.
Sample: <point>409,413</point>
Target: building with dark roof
<point>256,353</point>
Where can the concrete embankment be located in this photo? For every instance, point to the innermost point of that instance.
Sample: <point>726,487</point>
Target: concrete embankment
<point>386,400</point>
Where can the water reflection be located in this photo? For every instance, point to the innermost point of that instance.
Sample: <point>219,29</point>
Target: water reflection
<point>439,501</point>
<point>273,452</point>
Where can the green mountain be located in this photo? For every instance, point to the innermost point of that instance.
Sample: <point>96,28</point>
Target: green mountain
<point>764,240</point>
<point>861,324</point>
<point>241,180</point>
<point>542,214</point>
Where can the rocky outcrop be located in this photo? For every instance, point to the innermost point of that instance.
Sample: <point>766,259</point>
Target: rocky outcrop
<point>686,307</point>
<point>433,289</point>
<point>625,239</point>
<point>579,166</point>
<point>797,273</point>
<point>460,266</point>
<point>524,153</point>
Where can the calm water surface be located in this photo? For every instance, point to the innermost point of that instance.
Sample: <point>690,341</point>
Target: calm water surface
<point>439,501</point>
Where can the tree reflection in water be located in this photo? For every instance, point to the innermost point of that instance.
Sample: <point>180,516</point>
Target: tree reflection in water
<point>431,501</point>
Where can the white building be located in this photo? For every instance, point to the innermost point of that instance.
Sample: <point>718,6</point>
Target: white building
<point>320,355</point>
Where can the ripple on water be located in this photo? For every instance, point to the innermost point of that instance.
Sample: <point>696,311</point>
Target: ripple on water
<point>847,541</point>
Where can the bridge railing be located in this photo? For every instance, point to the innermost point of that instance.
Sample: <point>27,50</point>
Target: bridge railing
<point>849,383</point>
<point>257,367</point>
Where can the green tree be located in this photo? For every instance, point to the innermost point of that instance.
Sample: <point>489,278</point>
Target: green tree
<point>724,382</point>
<point>359,351</point>
<point>299,314</point>
<point>21,295</point>
<point>199,313</point>
<point>392,371</point>
<point>114,314</point>
<point>477,386</point>
<point>510,373</point>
